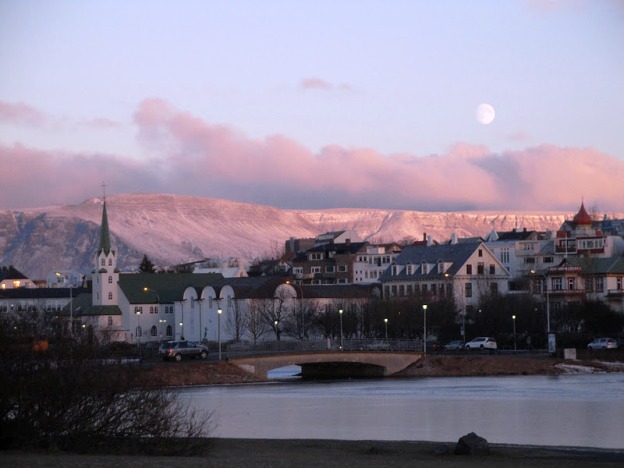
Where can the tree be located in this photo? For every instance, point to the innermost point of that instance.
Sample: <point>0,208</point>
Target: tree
<point>68,396</point>
<point>146,265</point>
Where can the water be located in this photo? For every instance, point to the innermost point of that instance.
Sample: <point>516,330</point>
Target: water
<point>574,410</point>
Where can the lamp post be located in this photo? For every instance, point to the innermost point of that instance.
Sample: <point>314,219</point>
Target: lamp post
<point>139,332</point>
<point>386,322</point>
<point>425,329</point>
<point>340,313</point>
<point>513,318</point>
<point>301,307</point>
<point>219,312</point>
<point>546,290</point>
<point>162,324</point>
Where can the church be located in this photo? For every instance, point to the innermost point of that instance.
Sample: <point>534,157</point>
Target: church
<point>144,307</point>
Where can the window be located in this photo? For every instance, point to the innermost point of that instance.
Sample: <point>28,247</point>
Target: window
<point>589,284</point>
<point>103,262</point>
<point>110,262</point>
<point>480,268</point>
<point>401,290</point>
<point>330,269</point>
<point>110,321</point>
<point>505,256</point>
<point>571,284</point>
<point>342,268</point>
<point>469,269</point>
<point>468,290</point>
<point>492,269</point>
<point>434,289</point>
<point>110,279</point>
<point>424,288</point>
<point>110,296</point>
<point>169,331</point>
<point>557,283</point>
<point>153,331</point>
<point>548,260</point>
<point>316,269</point>
<point>480,253</point>
<point>599,284</point>
<point>618,283</point>
<point>494,288</point>
<point>529,260</point>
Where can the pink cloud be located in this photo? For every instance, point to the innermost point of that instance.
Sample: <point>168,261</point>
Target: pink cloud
<point>20,114</point>
<point>322,85</point>
<point>315,83</point>
<point>192,157</point>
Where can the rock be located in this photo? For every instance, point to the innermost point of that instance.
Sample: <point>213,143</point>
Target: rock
<point>472,444</point>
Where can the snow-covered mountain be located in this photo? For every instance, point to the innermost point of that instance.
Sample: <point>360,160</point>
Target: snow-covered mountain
<point>173,229</point>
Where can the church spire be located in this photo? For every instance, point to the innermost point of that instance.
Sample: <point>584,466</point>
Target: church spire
<point>105,243</point>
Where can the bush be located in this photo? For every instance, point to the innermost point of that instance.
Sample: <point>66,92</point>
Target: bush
<point>68,398</point>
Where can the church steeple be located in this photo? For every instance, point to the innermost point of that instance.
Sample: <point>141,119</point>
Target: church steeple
<point>105,273</point>
<point>105,243</point>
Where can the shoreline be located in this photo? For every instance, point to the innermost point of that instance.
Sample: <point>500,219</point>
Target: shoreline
<point>244,453</point>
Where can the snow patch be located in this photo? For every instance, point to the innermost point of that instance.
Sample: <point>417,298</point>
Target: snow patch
<point>578,369</point>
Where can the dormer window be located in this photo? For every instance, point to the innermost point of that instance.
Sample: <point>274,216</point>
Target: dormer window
<point>409,268</point>
<point>394,270</point>
<point>423,268</point>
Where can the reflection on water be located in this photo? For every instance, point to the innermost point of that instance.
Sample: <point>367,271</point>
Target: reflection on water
<point>578,410</point>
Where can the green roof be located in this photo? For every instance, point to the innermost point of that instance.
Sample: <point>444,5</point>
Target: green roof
<point>163,288</point>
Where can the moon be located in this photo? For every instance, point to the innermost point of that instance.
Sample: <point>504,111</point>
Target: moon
<point>485,114</point>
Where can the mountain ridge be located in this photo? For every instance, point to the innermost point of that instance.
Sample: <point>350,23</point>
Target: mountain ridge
<point>173,229</point>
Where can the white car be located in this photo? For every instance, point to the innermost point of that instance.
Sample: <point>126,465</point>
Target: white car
<point>482,342</point>
<point>603,343</point>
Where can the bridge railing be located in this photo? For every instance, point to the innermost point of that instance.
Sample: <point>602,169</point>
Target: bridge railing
<point>242,348</point>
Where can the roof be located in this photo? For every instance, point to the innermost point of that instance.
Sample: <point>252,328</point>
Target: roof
<point>83,306</point>
<point>162,287</point>
<point>10,273</point>
<point>41,293</point>
<point>341,291</point>
<point>582,218</point>
<point>455,254</point>
<point>256,287</point>
<point>591,265</point>
<point>342,248</point>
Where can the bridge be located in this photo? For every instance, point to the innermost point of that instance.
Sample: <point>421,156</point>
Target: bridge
<point>331,364</point>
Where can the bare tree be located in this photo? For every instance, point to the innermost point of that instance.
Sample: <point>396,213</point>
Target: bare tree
<point>255,323</point>
<point>68,395</point>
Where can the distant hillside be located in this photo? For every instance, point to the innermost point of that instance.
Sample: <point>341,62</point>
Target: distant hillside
<point>173,229</point>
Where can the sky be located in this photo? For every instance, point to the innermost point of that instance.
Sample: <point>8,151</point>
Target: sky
<point>315,104</point>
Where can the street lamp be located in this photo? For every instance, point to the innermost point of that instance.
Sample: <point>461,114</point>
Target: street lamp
<point>139,332</point>
<point>513,317</point>
<point>425,329</point>
<point>386,322</point>
<point>162,324</point>
<point>547,299</point>
<point>340,313</point>
<point>219,312</point>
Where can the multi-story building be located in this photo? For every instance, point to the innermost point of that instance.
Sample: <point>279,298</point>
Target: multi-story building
<point>464,271</point>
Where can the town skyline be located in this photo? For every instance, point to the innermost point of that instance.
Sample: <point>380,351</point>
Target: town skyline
<point>316,105</point>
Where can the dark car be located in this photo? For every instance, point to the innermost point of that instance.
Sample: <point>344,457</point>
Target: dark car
<point>178,350</point>
<point>454,345</point>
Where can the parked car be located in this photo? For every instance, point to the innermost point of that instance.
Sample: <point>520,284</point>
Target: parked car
<point>178,350</point>
<point>482,342</point>
<point>454,345</point>
<point>433,345</point>
<point>603,343</point>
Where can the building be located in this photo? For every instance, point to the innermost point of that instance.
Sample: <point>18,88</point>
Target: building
<point>463,271</point>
